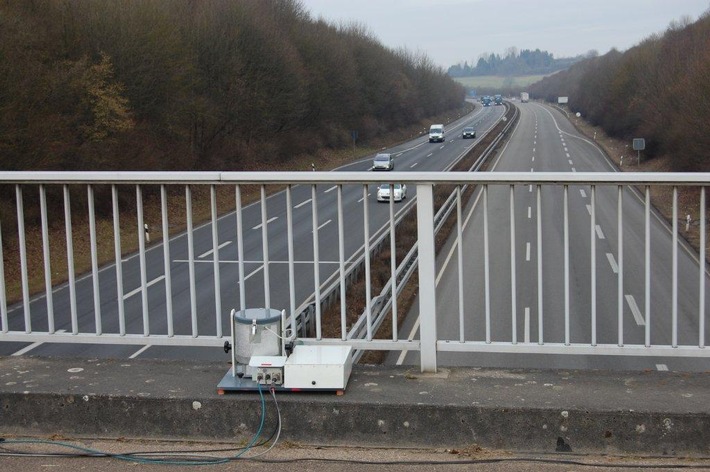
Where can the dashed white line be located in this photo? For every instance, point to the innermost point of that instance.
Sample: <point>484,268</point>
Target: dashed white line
<point>662,367</point>
<point>589,210</point>
<point>304,203</point>
<point>600,234</point>
<point>321,226</point>
<point>205,254</point>
<point>331,189</point>
<point>139,351</point>
<point>567,154</point>
<point>530,190</point>
<point>584,194</point>
<point>574,170</point>
<point>430,154</point>
<point>529,212</point>
<point>533,159</point>
<point>267,222</point>
<point>360,201</point>
<point>527,252</point>
<point>532,169</point>
<point>635,310</point>
<point>152,282</point>
<point>414,165</point>
<point>570,161</point>
<point>612,262</point>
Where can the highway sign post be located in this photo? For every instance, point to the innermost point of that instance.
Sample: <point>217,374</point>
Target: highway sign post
<point>639,145</point>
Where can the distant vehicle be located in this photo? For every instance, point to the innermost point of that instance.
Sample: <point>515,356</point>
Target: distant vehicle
<point>383,162</point>
<point>524,97</point>
<point>383,192</point>
<point>486,101</point>
<point>498,99</point>
<point>436,133</point>
<point>469,132</point>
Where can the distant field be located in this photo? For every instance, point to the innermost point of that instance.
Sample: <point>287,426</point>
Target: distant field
<point>494,81</point>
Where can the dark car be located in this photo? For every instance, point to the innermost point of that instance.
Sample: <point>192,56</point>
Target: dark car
<point>469,132</point>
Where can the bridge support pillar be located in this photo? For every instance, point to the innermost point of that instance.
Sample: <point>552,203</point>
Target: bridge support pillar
<point>427,276</point>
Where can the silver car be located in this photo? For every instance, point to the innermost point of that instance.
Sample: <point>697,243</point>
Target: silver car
<point>383,192</point>
<point>383,162</point>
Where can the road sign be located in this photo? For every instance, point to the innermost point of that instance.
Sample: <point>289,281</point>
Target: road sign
<point>639,144</point>
<point>562,100</point>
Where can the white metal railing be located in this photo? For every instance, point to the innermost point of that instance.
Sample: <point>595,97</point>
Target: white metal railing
<point>179,291</point>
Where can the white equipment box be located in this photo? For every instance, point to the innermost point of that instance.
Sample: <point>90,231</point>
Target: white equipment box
<point>318,367</point>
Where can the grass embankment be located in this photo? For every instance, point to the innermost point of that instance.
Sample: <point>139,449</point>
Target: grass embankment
<point>497,82</point>
<point>325,159</point>
<point>380,270</point>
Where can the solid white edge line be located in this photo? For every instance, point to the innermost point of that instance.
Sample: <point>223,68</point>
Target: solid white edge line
<point>139,352</point>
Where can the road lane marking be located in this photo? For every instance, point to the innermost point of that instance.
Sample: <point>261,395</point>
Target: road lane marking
<point>403,354</point>
<point>600,234</point>
<point>267,222</point>
<point>533,158</point>
<point>527,324</point>
<point>414,165</point>
<point>570,161</point>
<point>612,262</point>
<point>635,310</point>
<point>304,203</point>
<point>529,212</point>
<point>584,194</point>
<point>152,282</point>
<point>662,367</point>
<point>321,226</point>
<point>205,254</point>
<point>442,146</point>
<point>398,154</point>
<point>360,201</point>
<point>532,169</point>
<point>589,210</point>
<point>27,349</point>
<point>139,351</point>
<point>574,170</point>
<point>331,189</point>
<point>430,154</point>
<point>530,190</point>
<point>527,251</point>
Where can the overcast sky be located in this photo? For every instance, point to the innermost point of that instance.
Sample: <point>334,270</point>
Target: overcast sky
<point>453,31</point>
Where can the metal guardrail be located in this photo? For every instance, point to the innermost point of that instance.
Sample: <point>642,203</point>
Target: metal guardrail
<point>94,309</point>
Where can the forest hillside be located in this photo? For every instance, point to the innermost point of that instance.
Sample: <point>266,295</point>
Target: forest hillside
<point>197,85</point>
<point>658,90</point>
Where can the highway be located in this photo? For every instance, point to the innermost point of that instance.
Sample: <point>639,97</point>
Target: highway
<point>417,154</point>
<point>544,140</point>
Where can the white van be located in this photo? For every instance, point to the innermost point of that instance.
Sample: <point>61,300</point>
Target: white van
<point>436,133</point>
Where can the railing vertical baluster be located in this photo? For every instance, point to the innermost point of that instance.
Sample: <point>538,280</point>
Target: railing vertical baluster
<point>166,260</point>
<point>316,260</point>
<point>513,283</point>
<point>291,258</point>
<point>427,277</point>
<point>368,291</point>
<point>701,263</point>
<point>240,249</point>
<point>47,259</point>
<point>647,270</point>
<point>265,248</point>
<point>341,265</point>
<point>566,258</point>
<point>393,265</point>
<point>141,258</point>
<point>23,259</point>
<point>70,261</point>
<point>3,295</point>
<point>215,263</point>
<point>593,264</point>
<point>540,338</point>
<point>620,249</point>
<point>119,261</point>
<point>674,304</point>
<point>191,259</point>
<point>459,254</point>
<point>94,259</point>
<point>486,265</point>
